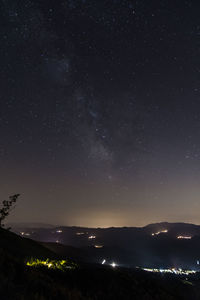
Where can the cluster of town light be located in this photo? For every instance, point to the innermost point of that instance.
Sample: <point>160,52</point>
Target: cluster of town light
<point>98,246</point>
<point>92,237</point>
<point>25,233</point>
<point>184,237</point>
<point>52,264</point>
<point>172,271</point>
<point>157,233</point>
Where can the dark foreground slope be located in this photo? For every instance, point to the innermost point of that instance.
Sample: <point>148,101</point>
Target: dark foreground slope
<point>89,282</point>
<point>20,282</point>
<point>21,248</point>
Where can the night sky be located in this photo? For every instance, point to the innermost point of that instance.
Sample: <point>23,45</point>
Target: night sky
<point>100,111</point>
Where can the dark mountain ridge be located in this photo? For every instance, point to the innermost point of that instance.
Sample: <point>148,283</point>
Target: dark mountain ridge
<point>88,281</point>
<point>155,245</point>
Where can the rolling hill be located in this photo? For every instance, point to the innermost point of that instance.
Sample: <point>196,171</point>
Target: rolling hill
<point>155,245</point>
<point>89,281</point>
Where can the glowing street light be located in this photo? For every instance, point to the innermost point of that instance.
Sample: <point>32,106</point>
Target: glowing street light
<point>113,265</point>
<point>98,246</point>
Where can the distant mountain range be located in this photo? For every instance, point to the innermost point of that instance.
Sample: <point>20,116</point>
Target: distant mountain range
<point>155,245</point>
<point>87,281</point>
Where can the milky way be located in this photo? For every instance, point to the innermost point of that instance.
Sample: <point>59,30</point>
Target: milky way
<point>100,111</point>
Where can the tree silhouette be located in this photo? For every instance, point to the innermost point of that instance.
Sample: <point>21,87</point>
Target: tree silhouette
<point>7,207</point>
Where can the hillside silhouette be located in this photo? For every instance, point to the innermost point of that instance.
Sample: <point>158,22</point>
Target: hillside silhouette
<point>87,281</point>
<point>155,245</point>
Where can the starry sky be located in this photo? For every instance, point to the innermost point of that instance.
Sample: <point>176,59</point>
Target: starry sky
<point>100,111</point>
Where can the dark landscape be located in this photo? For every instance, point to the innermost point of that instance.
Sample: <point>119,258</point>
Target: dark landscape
<point>149,246</point>
<point>87,278</point>
<point>99,150</point>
